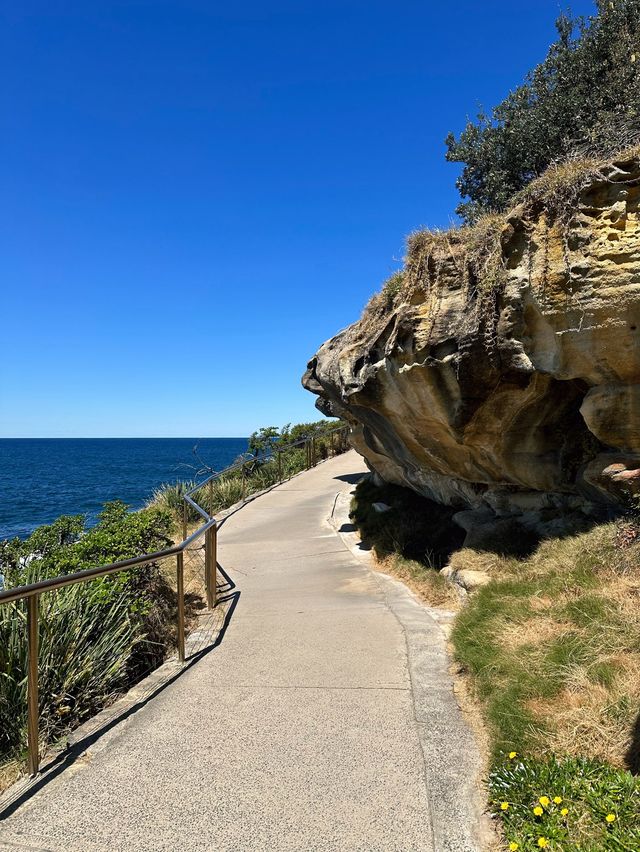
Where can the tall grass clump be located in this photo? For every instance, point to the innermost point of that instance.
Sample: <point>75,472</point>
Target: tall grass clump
<point>170,496</point>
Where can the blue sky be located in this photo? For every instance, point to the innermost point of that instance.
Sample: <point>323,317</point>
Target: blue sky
<point>195,195</point>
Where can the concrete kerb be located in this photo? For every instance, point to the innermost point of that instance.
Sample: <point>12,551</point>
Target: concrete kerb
<point>454,784</point>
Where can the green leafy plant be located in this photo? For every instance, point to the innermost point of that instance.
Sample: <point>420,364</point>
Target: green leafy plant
<point>96,637</point>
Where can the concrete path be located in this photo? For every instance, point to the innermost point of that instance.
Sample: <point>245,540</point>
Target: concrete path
<point>325,719</point>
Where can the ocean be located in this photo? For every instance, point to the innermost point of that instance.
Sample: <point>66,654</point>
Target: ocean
<point>43,478</point>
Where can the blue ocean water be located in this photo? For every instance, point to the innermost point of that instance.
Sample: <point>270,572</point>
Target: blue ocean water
<point>42,478</point>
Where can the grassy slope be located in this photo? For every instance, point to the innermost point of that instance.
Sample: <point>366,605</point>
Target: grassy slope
<point>551,649</point>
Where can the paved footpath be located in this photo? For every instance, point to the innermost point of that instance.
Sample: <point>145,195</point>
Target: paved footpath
<point>325,719</point>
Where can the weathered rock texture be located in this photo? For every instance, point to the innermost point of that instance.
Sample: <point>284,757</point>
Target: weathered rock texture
<point>501,371</point>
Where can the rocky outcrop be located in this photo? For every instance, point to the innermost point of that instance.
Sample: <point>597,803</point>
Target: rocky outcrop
<point>500,372</point>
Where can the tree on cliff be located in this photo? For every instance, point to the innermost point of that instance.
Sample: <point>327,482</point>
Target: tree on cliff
<point>584,97</point>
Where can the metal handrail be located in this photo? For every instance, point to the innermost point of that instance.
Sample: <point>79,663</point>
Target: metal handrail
<point>209,529</point>
<point>18,592</point>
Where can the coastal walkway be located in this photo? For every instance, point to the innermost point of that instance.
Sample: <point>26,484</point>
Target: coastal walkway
<point>324,719</point>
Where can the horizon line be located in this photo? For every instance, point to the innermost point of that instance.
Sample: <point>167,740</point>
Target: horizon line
<point>121,437</point>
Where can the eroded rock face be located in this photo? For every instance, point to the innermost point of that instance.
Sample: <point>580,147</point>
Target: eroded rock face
<point>523,397</point>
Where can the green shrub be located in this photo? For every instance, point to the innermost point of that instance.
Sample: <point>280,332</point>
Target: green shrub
<point>95,637</point>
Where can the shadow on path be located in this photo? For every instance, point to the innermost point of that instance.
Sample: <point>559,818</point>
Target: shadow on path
<point>351,478</point>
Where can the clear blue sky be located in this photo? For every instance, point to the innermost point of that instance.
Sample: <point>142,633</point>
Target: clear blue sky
<point>195,195</point>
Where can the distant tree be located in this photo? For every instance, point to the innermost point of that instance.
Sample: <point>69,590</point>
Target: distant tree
<point>263,440</point>
<point>267,438</point>
<point>584,97</point>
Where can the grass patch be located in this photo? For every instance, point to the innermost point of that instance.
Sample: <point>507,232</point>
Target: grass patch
<point>568,804</point>
<point>552,649</point>
<point>422,579</point>
<point>559,631</point>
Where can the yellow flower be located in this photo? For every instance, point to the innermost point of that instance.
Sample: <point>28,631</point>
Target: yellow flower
<point>512,754</point>
<point>543,842</point>
<point>513,846</point>
<point>610,817</point>
<point>504,806</point>
<point>557,800</point>
<point>544,801</point>
<point>538,811</point>
<point>564,811</point>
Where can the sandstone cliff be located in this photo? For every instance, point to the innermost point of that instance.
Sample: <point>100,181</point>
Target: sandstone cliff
<point>500,370</point>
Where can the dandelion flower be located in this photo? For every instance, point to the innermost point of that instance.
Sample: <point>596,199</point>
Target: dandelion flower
<point>543,842</point>
<point>557,800</point>
<point>512,754</point>
<point>610,817</point>
<point>504,806</point>
<point>538,811</point>
<point>513,846</point>
<point>564,811</point>
<point>544,801</point>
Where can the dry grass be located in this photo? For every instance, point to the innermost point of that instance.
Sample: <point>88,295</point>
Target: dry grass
<point>559,634</point>
<point>10,772</point>
<point>559,186</point>
<point>428,584</point>
<point>475,252</point>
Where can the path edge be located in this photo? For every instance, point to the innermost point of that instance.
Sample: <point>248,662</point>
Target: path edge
<point>455,787</point>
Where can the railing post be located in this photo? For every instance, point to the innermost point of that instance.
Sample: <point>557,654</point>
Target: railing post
<point>32,685</point>
<point>244,483</point>
<point>185,506</point>
<point>279,465</point>
<point>313,452</point>
<point>211,498</point>
<point>180,593</point>
<point>211,564</point>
